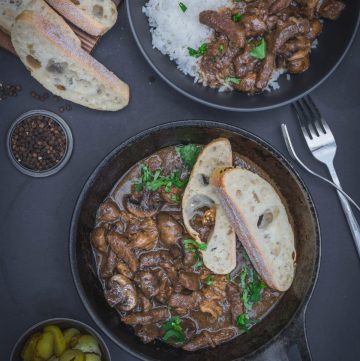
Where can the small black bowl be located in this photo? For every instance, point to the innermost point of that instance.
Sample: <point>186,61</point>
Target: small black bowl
<point>62,323</point>
<point>334,42</point>
<point>68,150</point>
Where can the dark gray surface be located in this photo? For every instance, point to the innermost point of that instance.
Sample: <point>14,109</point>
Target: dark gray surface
<point>35,277</point>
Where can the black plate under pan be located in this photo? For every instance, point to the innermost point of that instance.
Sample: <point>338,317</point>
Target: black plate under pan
<point>283,327</point>
<point>334,43</point>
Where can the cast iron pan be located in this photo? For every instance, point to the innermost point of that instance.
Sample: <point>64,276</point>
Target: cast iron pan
<point>334,42</point>
<point>283,327</point>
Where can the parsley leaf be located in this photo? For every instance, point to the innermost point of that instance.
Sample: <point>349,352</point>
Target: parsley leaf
<point>252,287</point>
<point>236,17</point>
<point>175,198</point>
<point>191,244</point>
<point>199,262</point>
<point>173,330</point>
<point>199,52</point>
<point>231,79</point>
<point>155,181</point>
<point>259,51</point>
<point>244,323</point>
<point>182,6</point>
<point>188,154</point>
<point>209,280</point>
<point>221,48</point>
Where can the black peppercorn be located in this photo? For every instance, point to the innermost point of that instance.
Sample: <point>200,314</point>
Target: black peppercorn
<point>38,143</point>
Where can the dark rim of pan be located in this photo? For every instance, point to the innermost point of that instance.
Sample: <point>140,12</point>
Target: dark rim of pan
<point>196,124</point>
<point>229,108</point>
<point>68,146</point>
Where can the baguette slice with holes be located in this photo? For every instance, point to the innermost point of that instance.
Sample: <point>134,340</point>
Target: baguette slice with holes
<point>64,68</point>
<point>220,255</point>
<point>9,10</point>
<point>95,17</point>
<point>261,224</point>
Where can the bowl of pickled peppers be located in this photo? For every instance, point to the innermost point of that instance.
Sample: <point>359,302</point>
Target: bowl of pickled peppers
<point>60,340</point>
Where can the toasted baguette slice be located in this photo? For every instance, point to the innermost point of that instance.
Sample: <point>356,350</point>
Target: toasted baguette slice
<point>9,10</point>
<point>95,17</point>
<point>220,255</point>
<point>261,224</point>
<point>64,68</point>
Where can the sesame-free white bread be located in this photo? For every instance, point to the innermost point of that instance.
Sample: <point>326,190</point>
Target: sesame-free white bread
<point>95,17</point>
<point>63,67</point>
<point>220,255</point>
<point>10,9</point>
<point>261,224</point>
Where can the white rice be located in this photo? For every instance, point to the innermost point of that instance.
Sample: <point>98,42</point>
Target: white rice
<point>174,31</point>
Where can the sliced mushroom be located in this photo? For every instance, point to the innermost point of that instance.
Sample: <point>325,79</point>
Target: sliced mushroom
<point>147,333</point>
<point>154,258</point>
<point>170,230</point>
<point>123,268</point>
<point>146,318</point>
<point>120,246</point>
<point>143,208</point>
<point>212,308</point>
<point>122,293</point>
<point>148,283</point>
<point>144,234</point>
<point>236,307</point>
<point>189,280</point>
<point>185,301</point>
<point>205,339</point>
<point>108,211</point>
<point>108,264</point>
<point>98,239</point>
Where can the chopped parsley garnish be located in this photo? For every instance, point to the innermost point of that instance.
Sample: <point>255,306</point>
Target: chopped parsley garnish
<point>182,6</point>
<point>154,181</point>
<point>221,48</point>
<point>199,52</point>
<point>190,245</point>
<point>173,331</point>
<point>252,287</point>
<point>227,277</point>
<point>233,80</point>
<point>259,51</point>
<point>209,280</point>
<point>175,198</point>
<point>199,262</point>
<point>193,247</point>
<point>244,323</point>
<point>189,154</point>
<point>236,17</point>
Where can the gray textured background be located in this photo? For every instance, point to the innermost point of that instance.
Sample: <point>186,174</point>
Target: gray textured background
<point>35,278</point>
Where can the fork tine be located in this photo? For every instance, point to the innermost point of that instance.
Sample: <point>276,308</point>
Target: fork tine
<point>306,116</point>
<point>305,131</point>
<point>325,127</point>
<point>309,117</point>
<point>315,114</point>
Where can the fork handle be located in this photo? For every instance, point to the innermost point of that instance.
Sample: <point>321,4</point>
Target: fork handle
<point>353,224</point>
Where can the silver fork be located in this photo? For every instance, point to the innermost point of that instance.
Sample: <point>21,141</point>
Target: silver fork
<point>322,145</point>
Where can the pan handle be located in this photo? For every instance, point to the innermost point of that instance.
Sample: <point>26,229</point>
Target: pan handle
<point>290,346</point>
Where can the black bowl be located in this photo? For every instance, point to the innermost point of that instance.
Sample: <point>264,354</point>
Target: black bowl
<point>334,43</point>
<point>62,323</point>
<point>284,324</point>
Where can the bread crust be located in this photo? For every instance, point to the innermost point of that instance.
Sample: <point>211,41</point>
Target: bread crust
<point>60,46</point>
<point>83,19</point>
<point>242,228</point>
<point>12,11</point>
